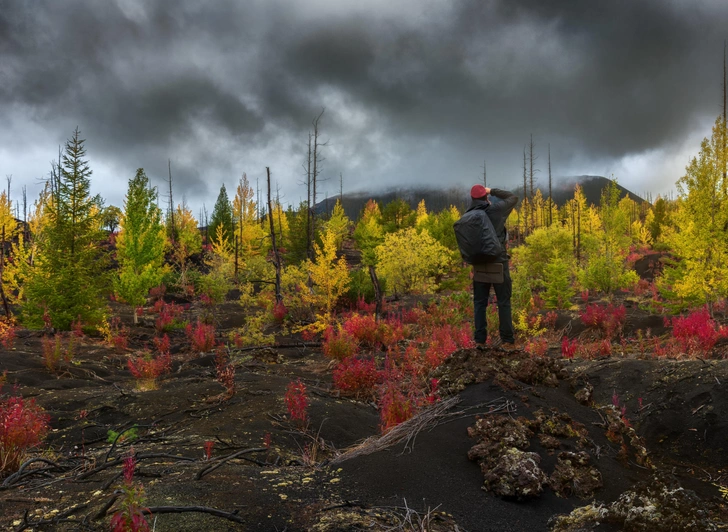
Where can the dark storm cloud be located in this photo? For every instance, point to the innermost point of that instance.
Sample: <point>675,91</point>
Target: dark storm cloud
<point>413,90</point>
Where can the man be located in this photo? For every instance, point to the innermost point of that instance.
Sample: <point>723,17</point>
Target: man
<point>498,213</point>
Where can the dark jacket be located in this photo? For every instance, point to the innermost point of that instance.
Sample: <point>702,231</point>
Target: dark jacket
<point>498,212</point>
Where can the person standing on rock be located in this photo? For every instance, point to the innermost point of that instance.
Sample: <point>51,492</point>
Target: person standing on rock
<point>494,273</point>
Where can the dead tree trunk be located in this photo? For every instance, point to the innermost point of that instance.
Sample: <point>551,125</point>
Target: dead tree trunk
<point>276,255</point>
<point>6,306</point>
<point>377,291</point>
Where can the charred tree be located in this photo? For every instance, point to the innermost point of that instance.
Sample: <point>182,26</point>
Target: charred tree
<point>276,256</point>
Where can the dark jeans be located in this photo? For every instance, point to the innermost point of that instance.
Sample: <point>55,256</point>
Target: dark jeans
<point>481,293</point>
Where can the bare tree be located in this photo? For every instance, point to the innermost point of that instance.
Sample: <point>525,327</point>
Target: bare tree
<point>550,197</point>
<point>276,257</point>
<point>316,160</point>
<point>524,202</point>
<point>531,173</point>
<point>309,210</point>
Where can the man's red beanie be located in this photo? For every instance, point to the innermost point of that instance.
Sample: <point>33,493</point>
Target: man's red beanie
<point>478,192</point>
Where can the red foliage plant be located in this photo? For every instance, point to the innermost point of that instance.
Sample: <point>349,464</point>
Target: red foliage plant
<point>7,334</point>
<point>157,292</point>
<point>537,347</point>
<point>279,312</point>
<point>364,329</point>
<point>338,345</point>
<point>77,328</point>
<point>225,371</point>
<point>356,376</point>
<point>130,516</point>
<point>296,400</point>
<point>394,406</point>
<point>697,333</point>
<point>23,425</point>
<point>549,320</point>
<point>202,336</point>
<point>54,351</point>
<point>162,345</point>
<point>569,348</point>
<point>147,368</point>
<point>118,334</point>
<point>609,319</point>
<point>443,342</point>
<point>208,447</point>
<point>363,306</point>
<point>168,313</point>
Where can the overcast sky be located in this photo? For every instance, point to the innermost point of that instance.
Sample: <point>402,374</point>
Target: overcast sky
<point>414,91</point>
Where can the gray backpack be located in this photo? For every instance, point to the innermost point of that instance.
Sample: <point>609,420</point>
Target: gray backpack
<point>476,238</point>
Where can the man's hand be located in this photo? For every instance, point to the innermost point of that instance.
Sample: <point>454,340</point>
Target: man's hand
<point>487,191</point>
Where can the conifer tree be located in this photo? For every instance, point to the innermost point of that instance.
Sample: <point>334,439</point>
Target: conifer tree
<point>222,214</point>
<point>330,275</point>
<point>249,234</point>
<point>338,224</point>
<point>140,245</point>
<point>188,242</point>
<point>699,233</point>
<point>68,280</point>
<point>297,238</point>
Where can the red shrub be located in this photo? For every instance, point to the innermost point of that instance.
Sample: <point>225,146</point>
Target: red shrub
<point>642,287</point>
<point>157,292</point>
<point>162,345</point>
<point>296,401</point>
<point>279,312</point>
<point>308,335</point>
<point>168,313</point>
<point>225,371</point>
<point>537,347</point>
<point>549,320</point>
<point>394,406</point>
<point>148,368</point>
<point>433,396</point>
<point>441,345</point>
<point>208,447</point>
<point>356,376</point>
<point>338,346</point>
<point>130,516</point>
<point>364,329</point>
<point>568,348</point>
<point>697,333</point>
<point>363,306</point>
<point>118,335</point>
<point>23,425</point>
<point>609,319</point>
<point>392,331</point>
<point>7,334</point>
<point>202,336</point>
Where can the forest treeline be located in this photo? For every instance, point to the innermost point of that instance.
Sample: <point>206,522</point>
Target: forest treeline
<point>73,254</point>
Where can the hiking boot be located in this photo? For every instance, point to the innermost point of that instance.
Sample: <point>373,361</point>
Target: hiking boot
<point>512,346</point>
<point>481,346</point>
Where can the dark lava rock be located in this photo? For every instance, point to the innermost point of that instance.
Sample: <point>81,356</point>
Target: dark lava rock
<point>574,475</point>
<point>516,475</point>
<point>660,505</point>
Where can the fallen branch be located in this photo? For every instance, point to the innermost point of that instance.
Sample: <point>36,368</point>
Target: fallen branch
<point>19,473</point>
<point>275,346</point>
<point>140,456</point>
<point>407,430</point>
<point>54,521</point>
<point>210,468</point>
<point>231,516</point>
